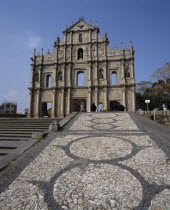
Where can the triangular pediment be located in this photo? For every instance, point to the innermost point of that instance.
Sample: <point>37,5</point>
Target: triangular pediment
<point>80,25</point>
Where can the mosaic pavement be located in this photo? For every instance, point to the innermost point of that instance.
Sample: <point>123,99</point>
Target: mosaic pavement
<point>103,161</point>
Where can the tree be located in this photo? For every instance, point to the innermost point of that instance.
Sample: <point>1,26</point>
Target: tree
<point>162,73</point>
<point>158,91</point>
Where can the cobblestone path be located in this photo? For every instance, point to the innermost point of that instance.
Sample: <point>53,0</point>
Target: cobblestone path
<point>101,161</point>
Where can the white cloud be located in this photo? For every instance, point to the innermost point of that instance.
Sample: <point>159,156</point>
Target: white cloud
<point>33,40</point>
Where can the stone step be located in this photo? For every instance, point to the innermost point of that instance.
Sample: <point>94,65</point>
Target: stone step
<point>16,135</point>
<point>14,138</point>
<point>16,132</point>
<point>22,123</point>
<point>15,126</point>
<point>21,129</point>
<point>10,144</point>
<point>26,121</point>
<point>5,151</point>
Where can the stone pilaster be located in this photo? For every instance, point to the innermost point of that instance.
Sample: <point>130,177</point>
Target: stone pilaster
<point>133,99</point>
<point>105,98</point>
<point>62,102</point>
<point>68,101</point>
<point>96,74</point>
<point>53,108</point>
<point>89,75</point>
<point>105,74</point>
<point>89,101</point>
<point>30,110</point>
<point>96,96</point>
<point>37,113</point>
<point>124,98</point>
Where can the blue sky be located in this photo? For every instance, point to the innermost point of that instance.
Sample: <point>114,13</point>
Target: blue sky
<point>29,24</point>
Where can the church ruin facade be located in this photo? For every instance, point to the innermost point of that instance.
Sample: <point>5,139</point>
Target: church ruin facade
<point>82,68</point>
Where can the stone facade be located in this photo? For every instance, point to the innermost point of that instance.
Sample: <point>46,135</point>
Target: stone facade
<point>55,76</point>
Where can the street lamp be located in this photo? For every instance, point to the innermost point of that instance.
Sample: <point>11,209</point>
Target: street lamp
<point>147,102</point>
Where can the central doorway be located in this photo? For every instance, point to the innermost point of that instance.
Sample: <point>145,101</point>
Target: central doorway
<point>76,104</point>
<point>114,105</point>
<point>46,109</point>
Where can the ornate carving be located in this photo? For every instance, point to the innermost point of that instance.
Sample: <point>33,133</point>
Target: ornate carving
<point>80,26</point>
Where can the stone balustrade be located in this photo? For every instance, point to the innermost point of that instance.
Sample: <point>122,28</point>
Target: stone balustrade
<point>162,117</point>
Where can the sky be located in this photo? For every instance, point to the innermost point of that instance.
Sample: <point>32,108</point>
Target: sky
<point>29,24</point>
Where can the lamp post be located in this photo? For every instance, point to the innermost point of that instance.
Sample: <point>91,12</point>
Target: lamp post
<point>147,102</point>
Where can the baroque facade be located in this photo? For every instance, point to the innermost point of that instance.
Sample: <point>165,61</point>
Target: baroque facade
<point>82,68</point>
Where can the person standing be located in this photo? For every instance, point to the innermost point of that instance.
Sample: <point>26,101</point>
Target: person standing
<point>100,107</point>
<point>93,107</point>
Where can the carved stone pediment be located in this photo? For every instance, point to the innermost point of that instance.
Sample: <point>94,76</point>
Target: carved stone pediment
<point>80,25</point>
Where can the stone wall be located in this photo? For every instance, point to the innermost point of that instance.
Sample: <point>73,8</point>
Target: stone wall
<point>162,117</point>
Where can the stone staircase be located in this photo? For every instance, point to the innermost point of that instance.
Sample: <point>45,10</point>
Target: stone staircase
<point>16,136</point>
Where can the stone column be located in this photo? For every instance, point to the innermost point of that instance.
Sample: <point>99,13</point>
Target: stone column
<point>96,96</point>
<point>89,101</point>
<point>122,70</point>
<point>124,98</point>
<point>53,110</point>
<point>37,104</point>
<point>30,110</point>
<point>69,75</point>
<point>133,99</point>
<point>62,102</point>
<point>95,74</point>
<point>32,76</point>
<point>89,75</point>
<point>68,101</point>
<point>105,98</point>
<point>54,83</point>
<point>105,74</point>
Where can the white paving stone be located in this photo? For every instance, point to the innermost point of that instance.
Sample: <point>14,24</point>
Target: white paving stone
<point>93,180</point>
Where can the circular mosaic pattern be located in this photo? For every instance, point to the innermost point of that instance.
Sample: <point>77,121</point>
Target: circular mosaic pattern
<point>102,126</point>
<point>103,121</point>
<point>161,200</point>
<point>101,115</point>
<point>98,186</point>
<point>101,148</point>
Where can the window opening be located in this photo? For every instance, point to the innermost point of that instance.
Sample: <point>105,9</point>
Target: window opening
<point>80,79</point>
<point>80,37</point>
<point>48,81</point>
<point>114,78</point>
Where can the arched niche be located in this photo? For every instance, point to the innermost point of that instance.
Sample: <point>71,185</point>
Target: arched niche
<point>80,54</point>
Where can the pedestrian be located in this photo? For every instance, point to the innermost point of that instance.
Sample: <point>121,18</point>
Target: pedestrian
<point>100,107</point>
<point>168,107</point>
<point>93,107</point>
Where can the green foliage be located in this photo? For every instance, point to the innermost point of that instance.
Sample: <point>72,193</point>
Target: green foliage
<point>158,92</point>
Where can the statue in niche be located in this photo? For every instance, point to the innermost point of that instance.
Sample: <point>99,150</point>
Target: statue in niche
<point>60,76</point>
<point>100,74</point>
<point>127,73</point>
